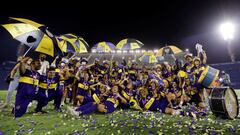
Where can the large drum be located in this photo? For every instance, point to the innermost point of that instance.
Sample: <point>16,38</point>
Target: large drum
<point>208,77</point>
<point>224,102</point>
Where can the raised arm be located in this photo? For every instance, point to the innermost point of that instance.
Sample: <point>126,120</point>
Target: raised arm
<point>77,76</point>
<point>22,65</point>
<point>92,87</point>
<point>54,62</point>
<point>204,61</point>
<point>123,100</point>
<point>14,70</point>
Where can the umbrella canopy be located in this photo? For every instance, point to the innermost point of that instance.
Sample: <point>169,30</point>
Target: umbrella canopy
<point>129,44</point>
<point>65,46</point>
<point>78,43</point>
<point>32,37</point>
<point>35,24</point>
<point>104,47</point>
<point>148,57</point>
<point>168,50</point>
<point>169,54</point>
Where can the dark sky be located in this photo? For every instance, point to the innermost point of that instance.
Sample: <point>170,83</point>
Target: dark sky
<point>182,23</point>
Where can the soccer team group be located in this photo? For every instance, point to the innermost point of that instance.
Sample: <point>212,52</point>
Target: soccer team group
<point>105,86</point>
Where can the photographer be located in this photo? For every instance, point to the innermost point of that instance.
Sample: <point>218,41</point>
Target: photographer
<point>225,79</point>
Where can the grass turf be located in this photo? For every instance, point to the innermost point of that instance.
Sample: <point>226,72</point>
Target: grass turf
<point>119,122</point>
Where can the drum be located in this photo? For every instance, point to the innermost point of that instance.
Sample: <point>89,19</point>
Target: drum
<point>208,77</point>
<point>223,102</point>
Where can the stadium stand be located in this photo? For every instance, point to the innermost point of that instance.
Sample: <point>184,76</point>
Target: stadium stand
<point>233,69</point>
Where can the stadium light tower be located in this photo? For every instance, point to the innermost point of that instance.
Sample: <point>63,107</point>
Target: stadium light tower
<point>227,30</point>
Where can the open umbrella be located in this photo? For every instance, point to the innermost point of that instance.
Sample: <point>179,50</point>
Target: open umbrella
<point>27,21</point>
<point>169,53</point>
<point>104,47</point>
<point>129,44</point>
<point>65,46</point>
<point>168,50</point>
<point>148,57</point>
<point>78,43</point>
<point>32,36</point>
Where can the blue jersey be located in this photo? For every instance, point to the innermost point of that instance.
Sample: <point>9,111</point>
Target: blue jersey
<point>104,70</point>
<point>83,88</point>
<point>132,74</point>
<point>26,91</point>
<point>28,81</point>
<point>70,80</point>
<point>95,70</point>
<point>111,103</point>
<point>143,101</point>
<point>127,94</point>
<point>95,97</point>
<point>46,83</point>
<point>197,70</point>
<point>154,104</point>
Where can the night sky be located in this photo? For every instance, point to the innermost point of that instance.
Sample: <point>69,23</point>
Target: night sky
<point>182,23</point>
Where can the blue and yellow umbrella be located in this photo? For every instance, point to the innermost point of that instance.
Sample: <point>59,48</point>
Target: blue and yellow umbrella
<point>169,54</point>
<point>65,46</point>
<point>28,33</point>
<point>168,50</point>
<point>78,43</point>
<point>27,21</point>
<point>104,47</point>
<point>148,57</point>
<point>129,44</point>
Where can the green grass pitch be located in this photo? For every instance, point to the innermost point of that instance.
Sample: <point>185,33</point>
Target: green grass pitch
<point>120,122</point>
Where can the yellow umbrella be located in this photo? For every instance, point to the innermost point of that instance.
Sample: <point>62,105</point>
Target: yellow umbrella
<point>19,29</point>
<point>148,57</point>
<point>129,44</point>
<point>35,24</point>
<point>65,46</point>
<point>32,37</point>
<point>78,43</point>
<point>168,50</point>
<point>104,47</point>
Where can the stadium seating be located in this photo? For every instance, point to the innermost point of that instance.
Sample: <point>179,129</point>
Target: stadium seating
<point>233,69</point>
